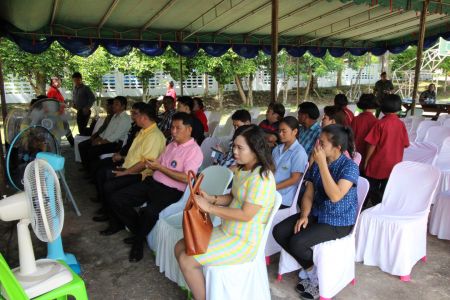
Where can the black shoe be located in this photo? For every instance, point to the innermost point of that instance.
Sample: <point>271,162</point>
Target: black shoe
<point>110,231</point>
<point>129,240</point>
<point>137,252</point>
<point>101,218</point>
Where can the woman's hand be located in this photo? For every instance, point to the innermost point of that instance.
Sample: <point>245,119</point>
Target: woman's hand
<point>202,202</point>
<point>301,223</point>
<point>319,155</point>
<point>203,194</point>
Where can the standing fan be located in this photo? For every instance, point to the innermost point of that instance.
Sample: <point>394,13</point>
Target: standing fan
<point>13,123</point>
<point>40,205</point>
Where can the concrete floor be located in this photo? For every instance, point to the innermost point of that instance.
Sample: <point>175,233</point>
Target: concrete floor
<point>109,275</point>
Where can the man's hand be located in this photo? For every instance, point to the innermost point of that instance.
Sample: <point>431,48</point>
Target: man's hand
<point>117,157</point>
<point>119,173</point>
<point>152,164</point>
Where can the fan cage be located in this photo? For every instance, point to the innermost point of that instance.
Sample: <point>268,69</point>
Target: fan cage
<point>44,193</point>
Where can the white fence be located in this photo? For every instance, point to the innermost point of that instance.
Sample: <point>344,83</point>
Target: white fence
<point>116,83</point>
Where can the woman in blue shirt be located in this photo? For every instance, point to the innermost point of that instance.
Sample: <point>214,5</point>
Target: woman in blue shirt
<point>290,160</point>
<point>328,207</point>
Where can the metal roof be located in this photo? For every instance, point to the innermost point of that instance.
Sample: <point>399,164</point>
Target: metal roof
<point>318,23</point>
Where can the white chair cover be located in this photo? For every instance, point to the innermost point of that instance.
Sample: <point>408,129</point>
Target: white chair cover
<point>437,135</point>
<point>272,246</point>
<point>423,128</point>
<point>421,152</point>
<point>288,264</point>
<point>440,217</point>
<point>412,133</point>
<point>441,119</point>
<point>357,158</point>
<point>80,138</point>
<point>224,130</point>
<point>207,144</point>
<point>443,163</point>
<point>392,234</point>
<point>338,255</point>
<point>446,122</point>
<point>246,281</point>
<point>215,182</point>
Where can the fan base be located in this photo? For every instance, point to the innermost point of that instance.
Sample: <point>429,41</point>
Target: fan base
<point>48,276</point>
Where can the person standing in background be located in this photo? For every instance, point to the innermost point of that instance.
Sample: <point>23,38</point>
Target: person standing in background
<point>83,99</point>
<point>171,91</point>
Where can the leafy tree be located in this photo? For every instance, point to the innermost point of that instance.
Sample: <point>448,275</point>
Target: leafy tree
<point>35,68</point>
<point>404,60</point>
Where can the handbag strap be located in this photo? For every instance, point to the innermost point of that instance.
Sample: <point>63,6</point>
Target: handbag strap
<point>194,189</point>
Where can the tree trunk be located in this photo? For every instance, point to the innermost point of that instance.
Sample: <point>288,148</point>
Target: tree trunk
<point>206,89</point>
<point>144,89</point>
<point>308,83</point>
<point>339,79</point>
<point>445,82</point>
<point>250,90</point>
<point>285,91</point>
<point>40,83</point>
<point>220,87</point>
<point>238,82</point>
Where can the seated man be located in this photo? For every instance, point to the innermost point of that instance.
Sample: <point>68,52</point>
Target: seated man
<point>428,96</point>
<point>109,140</point>
<point>109,115</point>
<point>309,131</point>
<point>166,117</point>
<point>165,187</point>
<point>275,112</point>
<point>239,118</point>
<point>149,143</point>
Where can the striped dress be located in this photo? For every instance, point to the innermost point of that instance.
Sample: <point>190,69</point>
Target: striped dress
<point>236,242</point>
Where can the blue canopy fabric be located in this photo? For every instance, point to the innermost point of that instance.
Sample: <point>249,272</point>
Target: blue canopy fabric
<point>85,47</point>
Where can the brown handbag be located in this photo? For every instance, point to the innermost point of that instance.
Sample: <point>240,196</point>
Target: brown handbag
<point>197,225</point>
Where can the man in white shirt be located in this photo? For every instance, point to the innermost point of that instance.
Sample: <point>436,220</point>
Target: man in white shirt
<point>111,138</point>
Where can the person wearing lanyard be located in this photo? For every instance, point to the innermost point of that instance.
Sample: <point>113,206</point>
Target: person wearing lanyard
<point>290,160</point>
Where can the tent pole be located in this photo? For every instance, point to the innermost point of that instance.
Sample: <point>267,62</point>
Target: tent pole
<point>4,113</point>
<point>181,76</point>
<point>423,19</point>
<point>274,52</point>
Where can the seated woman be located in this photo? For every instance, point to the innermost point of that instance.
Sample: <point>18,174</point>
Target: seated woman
<point>290,160</point>
<point>244,212</point>
<point>328,207</point>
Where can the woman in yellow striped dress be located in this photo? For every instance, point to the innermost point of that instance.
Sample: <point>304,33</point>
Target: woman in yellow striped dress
<point>244,212</point>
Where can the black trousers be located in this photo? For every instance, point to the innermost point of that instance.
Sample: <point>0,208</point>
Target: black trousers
<point>299,245</point>
<point>82,121</point>
<point>107,184</point>
<point>376,191</point>
<point>90,153</point>
<point>157,196</point>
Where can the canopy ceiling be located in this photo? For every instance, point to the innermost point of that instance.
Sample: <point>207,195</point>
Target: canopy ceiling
<point>335,25</point>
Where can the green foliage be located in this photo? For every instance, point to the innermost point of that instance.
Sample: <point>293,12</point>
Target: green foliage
<point>445,65</point>
<point>404,60</point>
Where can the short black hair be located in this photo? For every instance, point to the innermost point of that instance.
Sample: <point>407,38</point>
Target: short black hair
<point>367,101</point>
<point>109,101</point>
<point>145,109</point>
<point>383,74</point>
<point>279,109</point>
<point>310,109</point>
<point>123,101</point>
<point>77,75</point>
<point>186,100</point>
<point>335,113</point>
<point>167,99</point>
<point>241,115</point>
<point>391,103</point>
<point>187,119</point>
<point>199,102</point>
<point>340,100</point>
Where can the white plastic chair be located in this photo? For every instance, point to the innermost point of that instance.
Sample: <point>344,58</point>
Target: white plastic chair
<point>288,263</point>
<point>421,152</point>
<point>393,234</point>
<point>423,128</point>
<point>81,138</point>
<point>168,230</point>
<point>259,119</point>
<point>440,217</point>
<point>272,246</point>
<point>357,158</point>
<point>224,130</point>
<point>207,144</point>
<point>245,281</point>
<point>437,135</point>
<point>107,155</point>
<point>338,255</point>
<point>254,112</point>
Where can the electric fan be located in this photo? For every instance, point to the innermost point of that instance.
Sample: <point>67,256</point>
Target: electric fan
<point>51,114</point>
<point>13,123</point>
<point>41,205</point>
